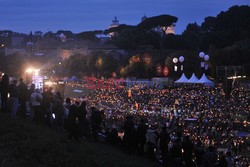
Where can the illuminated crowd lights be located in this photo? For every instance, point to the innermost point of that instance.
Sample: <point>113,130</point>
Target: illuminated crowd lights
<point>29,70</point>
<point>190,102</point>
<point>237,77</point>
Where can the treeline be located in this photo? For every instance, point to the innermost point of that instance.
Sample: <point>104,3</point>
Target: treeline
<point>226,38</point>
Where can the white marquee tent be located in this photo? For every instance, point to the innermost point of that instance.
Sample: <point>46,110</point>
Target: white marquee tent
<point>182,79</point>
<point>205,80</point>
<point>193,79</point>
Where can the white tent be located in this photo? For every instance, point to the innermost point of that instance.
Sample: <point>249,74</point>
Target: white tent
<point>193,79</point>
<point>73,79</point>
<point>182,79</point>
<point>205,80</point>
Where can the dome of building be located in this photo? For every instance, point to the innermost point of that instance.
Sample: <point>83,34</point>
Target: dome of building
<point>115,23</point>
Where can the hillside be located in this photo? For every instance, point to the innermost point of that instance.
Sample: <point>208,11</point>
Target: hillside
<point>22,143</point>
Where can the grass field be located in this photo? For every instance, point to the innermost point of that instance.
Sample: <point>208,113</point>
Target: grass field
<point>24,144</point>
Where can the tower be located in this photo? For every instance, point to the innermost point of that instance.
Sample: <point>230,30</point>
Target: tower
<point>115,23</point>
<point>143,18</point>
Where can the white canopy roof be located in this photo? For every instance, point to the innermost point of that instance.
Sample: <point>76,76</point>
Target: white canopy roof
<point>205,80</point>
<point>73,79</point>
<point>193,79</point>
<point>182,79</point>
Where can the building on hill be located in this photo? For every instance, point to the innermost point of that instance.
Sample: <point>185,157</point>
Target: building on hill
<point>51,47</point>
<point>17,41</point>
<point>30,46</point>
<point>115,23</point>
<point>143,18</point>
<point>5,38</point>
<point>107,48</point>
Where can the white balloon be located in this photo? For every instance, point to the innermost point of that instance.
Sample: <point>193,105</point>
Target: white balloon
<point>175,60</point>
<point>206,57</point>
<point>181,59</point>
<point>201,54</point>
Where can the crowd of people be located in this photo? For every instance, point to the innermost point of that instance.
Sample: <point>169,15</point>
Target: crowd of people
<point>180,125</point>
<point>194,114</point>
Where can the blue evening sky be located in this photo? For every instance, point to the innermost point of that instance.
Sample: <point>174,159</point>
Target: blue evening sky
<point>82,15</point>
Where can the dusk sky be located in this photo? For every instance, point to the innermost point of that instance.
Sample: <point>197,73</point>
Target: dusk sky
<point>82,15</point>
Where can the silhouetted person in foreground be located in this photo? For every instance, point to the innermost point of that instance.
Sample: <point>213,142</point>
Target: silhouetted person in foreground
<point>141,135</point>
<point>82,112</point>
<point>96,120</point>
<point>222,160</point>
<point>14,93</point>
<point>30,112</point>
<point>4,87</point>
<point>23,97</point>
<point>36,99</point>
<point>164,140</point>
<point>177,152</point>
<point>46,105</point>
<point>199,152</point>
<point>129,134</point>
<point>58,110</point>
<point>209,158</point>
<point>66,106</point>
<point>112,136</point>
<point>188,150</point>
<point>72,122</point>
<point>151,142</point>
<point>229,160</point>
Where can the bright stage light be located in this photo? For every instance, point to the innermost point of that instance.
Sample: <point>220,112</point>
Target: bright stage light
<point>36,72</point>
<point>29,70</point>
